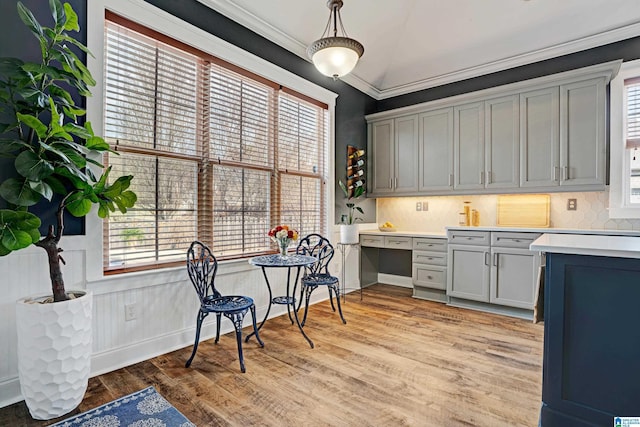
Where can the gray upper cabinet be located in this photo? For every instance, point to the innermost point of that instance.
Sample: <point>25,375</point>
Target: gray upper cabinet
<point>582,135</point>
<point>436,150</point>
<point>541,135</point>
<point>539,138</point>
<point>502,142</point>
<point>393,150</point>
<point>381,157</point>
<point>406,154</point>
<point>468,146</point>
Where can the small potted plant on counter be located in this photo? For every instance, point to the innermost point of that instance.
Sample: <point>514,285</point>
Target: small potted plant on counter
<point>50,160</point>
<point>348,226</point>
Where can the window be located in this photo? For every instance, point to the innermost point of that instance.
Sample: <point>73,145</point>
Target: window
<point>217,153</point>
<point>624,198</point>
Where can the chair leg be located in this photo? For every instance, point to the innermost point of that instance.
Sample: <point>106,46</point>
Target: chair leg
<point>307,297</point>
<point>329,288</point>
<point>255,328</point>
<point>199,320</point>
<point>336,289</point>
<point>218,327</point>
<point>236,318</point>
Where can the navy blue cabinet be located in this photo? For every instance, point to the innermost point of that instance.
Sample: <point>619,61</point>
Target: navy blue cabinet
<point>591,370</point>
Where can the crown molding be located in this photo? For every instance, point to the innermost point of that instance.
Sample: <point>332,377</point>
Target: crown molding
<point>259,26</point>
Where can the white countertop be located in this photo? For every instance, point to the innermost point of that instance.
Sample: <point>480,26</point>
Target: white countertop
<point>581,244</point>
<point>442,234</point>
<point>596,231</point>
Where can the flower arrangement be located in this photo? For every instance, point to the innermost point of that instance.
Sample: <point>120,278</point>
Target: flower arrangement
<point>283,236</point>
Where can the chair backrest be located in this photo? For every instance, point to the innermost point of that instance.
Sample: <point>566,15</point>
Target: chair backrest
<point>316,246</point>
<point>202,267</point>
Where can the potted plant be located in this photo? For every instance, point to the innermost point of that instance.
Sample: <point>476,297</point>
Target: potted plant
<point>50,158</point>
<point>348,226</point>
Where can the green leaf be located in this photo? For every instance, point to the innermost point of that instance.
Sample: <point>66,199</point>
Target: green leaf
<point>78,159</point>
<point>15,239</point>
<point>18,192</point>
<point>98,144</point>
<point>57,12</point>
<point>29,20</point>
<point>103,211</point>
<point>25,220</point>
<point>35,235</point>
<point>34,123</point>
<point>63,157</point>
<point>79,207</point>
<point>11,67</point>
<point>42,188</point>
<point>55,185</point>
<point>78,131</point>
<point>8,147</point>
<point>76,43</point>
<point>4,251</point>
<point>32,167</point>
<point>72,19</point>
<point>359,209</point>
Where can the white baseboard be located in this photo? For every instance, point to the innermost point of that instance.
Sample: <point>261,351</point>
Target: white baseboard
<point>392,279</point>
<point>10,392</point>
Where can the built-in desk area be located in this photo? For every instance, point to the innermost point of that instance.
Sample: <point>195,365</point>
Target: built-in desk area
<point>411,259</point>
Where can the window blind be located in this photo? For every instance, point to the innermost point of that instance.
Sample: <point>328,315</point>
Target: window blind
<point>217,154</point>
<point>632,119</point>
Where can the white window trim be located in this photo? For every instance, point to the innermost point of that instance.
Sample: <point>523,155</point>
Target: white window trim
<point>165,23</point>
<point>619,162</point>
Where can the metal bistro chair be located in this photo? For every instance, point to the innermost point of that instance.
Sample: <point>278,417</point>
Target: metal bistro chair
<point>202,267</point>
<point>317,274</point>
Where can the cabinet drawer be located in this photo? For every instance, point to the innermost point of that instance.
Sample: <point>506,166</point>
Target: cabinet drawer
<point>513,240</point>
<point>398,242</point>
<point>430,277</point>
<point>429,244</point>
<point>464,237</point>
<point>374,241</point>
<point>431,258</point>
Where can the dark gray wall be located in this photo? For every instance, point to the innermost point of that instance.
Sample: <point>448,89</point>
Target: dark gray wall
<point>17,41</point>
<point>627,50</point>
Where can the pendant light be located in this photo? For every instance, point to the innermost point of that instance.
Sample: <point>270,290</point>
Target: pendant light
<point>333,55</point>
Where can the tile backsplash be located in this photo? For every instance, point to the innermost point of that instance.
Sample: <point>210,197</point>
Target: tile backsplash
<point>443,211</point>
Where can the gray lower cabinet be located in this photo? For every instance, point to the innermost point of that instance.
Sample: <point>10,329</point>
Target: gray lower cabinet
<point>429,268</point>
<point>468,272</point>
<point>493,267</point>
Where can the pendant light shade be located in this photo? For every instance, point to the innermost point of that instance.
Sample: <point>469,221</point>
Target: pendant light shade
<point>333,55</point>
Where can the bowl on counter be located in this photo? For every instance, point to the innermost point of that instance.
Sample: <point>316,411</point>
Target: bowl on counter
<point>387,228</point>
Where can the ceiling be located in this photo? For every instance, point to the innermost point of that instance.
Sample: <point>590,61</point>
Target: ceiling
<point>417,44</point>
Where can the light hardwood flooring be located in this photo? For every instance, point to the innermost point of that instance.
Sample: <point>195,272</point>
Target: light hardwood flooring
<point>398,361</point>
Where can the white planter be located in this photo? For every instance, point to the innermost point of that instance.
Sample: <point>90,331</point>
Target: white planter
<point>349,233</point>
<point>54,354</point>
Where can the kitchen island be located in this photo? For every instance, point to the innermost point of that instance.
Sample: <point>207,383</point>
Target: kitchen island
<point>591,367</point>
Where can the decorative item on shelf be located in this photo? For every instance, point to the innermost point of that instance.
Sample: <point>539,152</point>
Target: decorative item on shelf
<point>355,170</point>
<point>282,235</point>
<point>467,213</point>
<point>475,217</point>
<point>333,55</point>
<point>54,163</point>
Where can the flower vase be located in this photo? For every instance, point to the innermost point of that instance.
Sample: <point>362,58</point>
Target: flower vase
<point>283,245</point>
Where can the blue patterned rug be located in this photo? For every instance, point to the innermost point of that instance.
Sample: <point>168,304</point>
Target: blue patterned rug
<point>144,408</point>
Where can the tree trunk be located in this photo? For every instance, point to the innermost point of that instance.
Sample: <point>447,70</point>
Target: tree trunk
<point>55,272</point>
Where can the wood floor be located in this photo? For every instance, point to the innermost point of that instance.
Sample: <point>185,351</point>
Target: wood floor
<point>398,361</point>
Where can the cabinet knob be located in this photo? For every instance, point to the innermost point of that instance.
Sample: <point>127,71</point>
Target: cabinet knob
<point>430,277</point>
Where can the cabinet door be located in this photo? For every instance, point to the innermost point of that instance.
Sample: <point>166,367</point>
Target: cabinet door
<point>406,154</point>
<point>468,138</point>
<point>539,146</point>
<point>436,150</point>
<point>502,142</point>
<point>469,272</point>
<point>582,133</point>
<point>381,156</point>
<point>513,277</point>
